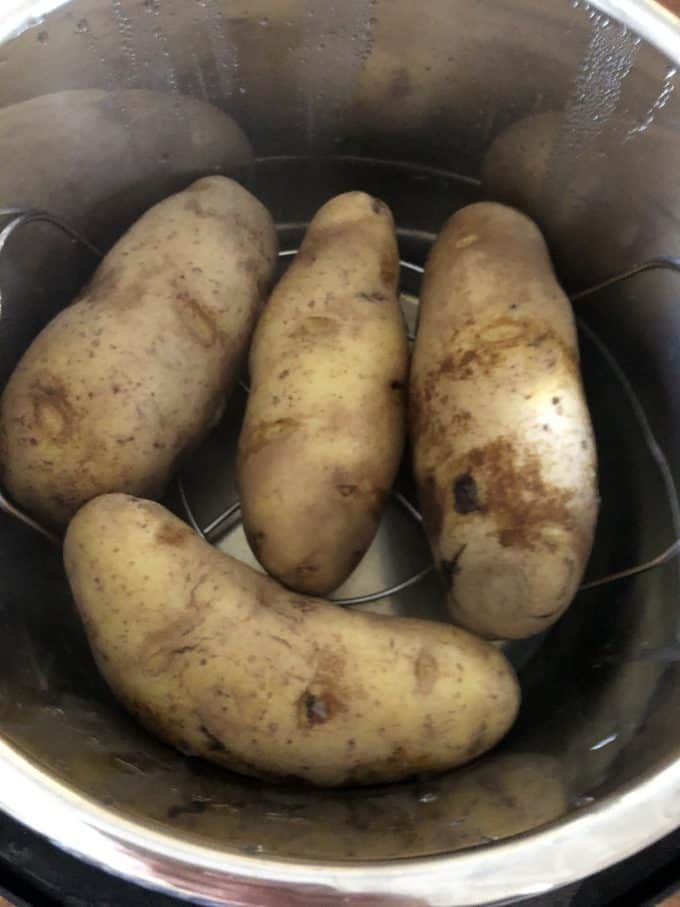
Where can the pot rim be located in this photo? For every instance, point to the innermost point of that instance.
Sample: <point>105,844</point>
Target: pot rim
<point>614,827</point>
<point>648,19</point>
<point>590,840</point>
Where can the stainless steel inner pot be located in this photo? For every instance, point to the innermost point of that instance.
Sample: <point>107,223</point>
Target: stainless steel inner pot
<point>404,100</point>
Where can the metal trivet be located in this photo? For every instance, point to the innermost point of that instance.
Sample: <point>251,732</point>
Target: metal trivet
<point>230,517</point>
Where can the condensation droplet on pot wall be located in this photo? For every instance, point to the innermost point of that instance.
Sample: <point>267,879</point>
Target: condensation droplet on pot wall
<point>224,51</point>
<point>127,43</point>
<point>665,92</point>
<point>594,97</point>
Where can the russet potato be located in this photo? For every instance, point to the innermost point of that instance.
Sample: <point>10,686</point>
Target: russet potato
<point>503,446</point>
<point>224,663</point>
<point>326,419</point>
<point>124,381</point>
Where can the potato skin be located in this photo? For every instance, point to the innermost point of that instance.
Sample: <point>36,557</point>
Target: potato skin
<point>121,383</point>
<point>325,424</point>
<point>226,664</point>
<point>504,453</point>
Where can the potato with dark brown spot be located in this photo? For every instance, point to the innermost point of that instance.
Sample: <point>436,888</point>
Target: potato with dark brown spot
<point>504,452</point>
<point>324,428</point>
<point>121,383</point>
<point>224,663</point>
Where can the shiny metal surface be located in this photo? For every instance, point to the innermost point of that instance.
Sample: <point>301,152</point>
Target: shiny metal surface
<point>405,103</point>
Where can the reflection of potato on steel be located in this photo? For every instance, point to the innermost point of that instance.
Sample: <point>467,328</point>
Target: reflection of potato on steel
<point>118,153</point>
<point>497,797</point>
<point>569,180</point>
